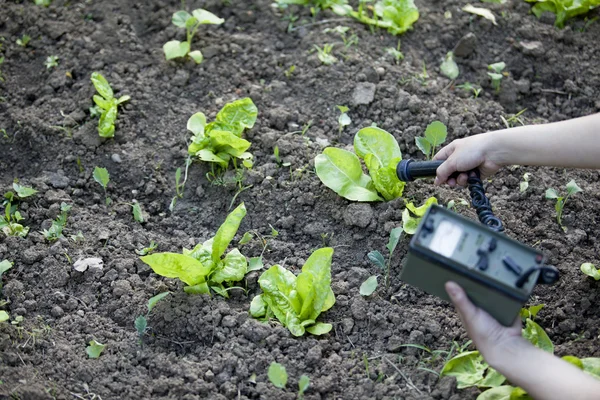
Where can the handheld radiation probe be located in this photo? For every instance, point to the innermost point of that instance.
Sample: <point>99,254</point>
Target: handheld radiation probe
<point>497,273</point>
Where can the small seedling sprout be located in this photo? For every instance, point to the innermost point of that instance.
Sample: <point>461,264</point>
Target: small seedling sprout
<point>496,74</point>
<point>108,104</point>
<point>324,54</point>
<point>55,231</point>
<point>24,40</point>
<point>147,250</point>
<point>469,87</point>
<point>369,286</point>
<point>525,182</point>
<point>277,375</point>
<point>51,62</point>
<point>449,67</point>
<point>343,120</point>
<point>191,23</point>
<point>395,52</point>
<point>141,322</point>
<point>561,201</point>
<point>435,135</point>
<point>102,176</point>
<point>179,184</point>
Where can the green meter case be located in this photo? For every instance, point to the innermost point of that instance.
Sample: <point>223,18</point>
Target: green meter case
<point>497,273</point>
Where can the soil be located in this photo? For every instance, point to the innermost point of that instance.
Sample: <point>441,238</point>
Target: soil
<point>208,347</point>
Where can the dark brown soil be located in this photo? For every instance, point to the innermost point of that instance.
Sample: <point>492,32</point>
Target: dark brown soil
<point>202,347</point>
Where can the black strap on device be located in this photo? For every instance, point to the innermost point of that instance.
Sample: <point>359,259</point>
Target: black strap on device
<point>409,170</point>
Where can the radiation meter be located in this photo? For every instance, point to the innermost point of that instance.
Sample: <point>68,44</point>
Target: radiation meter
<point>497,273</point>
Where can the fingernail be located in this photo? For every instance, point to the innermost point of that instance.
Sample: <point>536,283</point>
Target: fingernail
<point>436,181</point>
<point>452,289</point>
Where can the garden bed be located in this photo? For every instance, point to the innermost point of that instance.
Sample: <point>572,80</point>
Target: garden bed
<point>209,347</point>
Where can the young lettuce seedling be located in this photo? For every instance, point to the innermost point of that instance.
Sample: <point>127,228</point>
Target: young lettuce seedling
<point>191,23</point>
<point>102,176</point>
<point>589,269</point>
<point>51,62</point>
<point>297,301</point>
<point>141,322</point>
<point>303,384</point>
<point>561,201</point>
<point>449,67</point>
<point>9,223</point>
<point>410,223</point>
<point>341,171</point>
<point>108,104</point>
<point>343,120</point>
<point>94,349</point>
<point>324,54</point>
<point>395,52</point>
<point>179,185</point>
<point>435,135</point>
<point>469,87</point>
<point>277,375</point>
<point>203,267</point>
<point>497,74</point>
<point>55,231</point>
<point>44,3</point>
<point>369,286</point>
<point>147,250</point>
<point>24,40</point>
<point>220,141</point>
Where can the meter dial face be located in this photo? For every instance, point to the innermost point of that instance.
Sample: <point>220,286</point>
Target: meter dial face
<point>446,238</point>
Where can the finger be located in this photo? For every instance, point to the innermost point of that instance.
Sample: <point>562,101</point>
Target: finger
<point>462,179</point>
<point>445,152</point>
<point>466,309</point>
<point>444,171</point>
<point>451,182</point>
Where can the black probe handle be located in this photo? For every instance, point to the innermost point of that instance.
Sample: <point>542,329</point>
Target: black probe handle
<point>409,170</point>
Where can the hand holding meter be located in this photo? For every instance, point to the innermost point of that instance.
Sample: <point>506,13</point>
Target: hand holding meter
<point>497,273</point>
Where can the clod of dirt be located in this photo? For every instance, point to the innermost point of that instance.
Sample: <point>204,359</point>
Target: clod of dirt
<point>93,263</point>
<point>533,48</point>
<point>466,45</point>
<point>364,93</point>
<point>358,215</point>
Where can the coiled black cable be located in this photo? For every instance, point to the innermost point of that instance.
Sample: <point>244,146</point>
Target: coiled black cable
<point>481,203</point>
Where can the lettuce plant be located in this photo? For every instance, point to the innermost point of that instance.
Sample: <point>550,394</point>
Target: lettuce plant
<point>106,101</point>
<point>563,9</point>
<point>341,171</point>
<point>204,267</point>
<point>297,301</point>
<point>497,74</point>
<point>220,141</point>
<point>191,23</point>
<point>590,270</point>
<point>410,223</point>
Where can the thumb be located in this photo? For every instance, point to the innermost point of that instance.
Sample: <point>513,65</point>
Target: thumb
<point>465,308</point>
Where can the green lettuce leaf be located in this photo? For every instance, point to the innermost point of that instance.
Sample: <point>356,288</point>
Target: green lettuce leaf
<point>277,284</point>
<point>175,49</point>
<point>102,86</point>
<point>397,15</point>
<point>563,9</point>
<point>236,116</point>
<point>410,223</point>
<point>106,126</point>
<point>379,143</point>
<point>258,307</point>
<point>537,336</point>
<point>318,267</point>
<point>227,142</point>
<point>340,171</point>
<point>470,369</point>
<point>227,231</point>
<point>175,265</point>
<point>231,269</point>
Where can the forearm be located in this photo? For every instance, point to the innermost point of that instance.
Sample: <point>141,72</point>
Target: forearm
<point>572,144</point>
<point>543,375</point>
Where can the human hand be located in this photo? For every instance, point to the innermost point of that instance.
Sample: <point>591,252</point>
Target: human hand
<point>490,337</point>
<point>464,155</point>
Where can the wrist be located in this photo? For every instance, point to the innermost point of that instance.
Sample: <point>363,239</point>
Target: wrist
<point>503,356</point>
